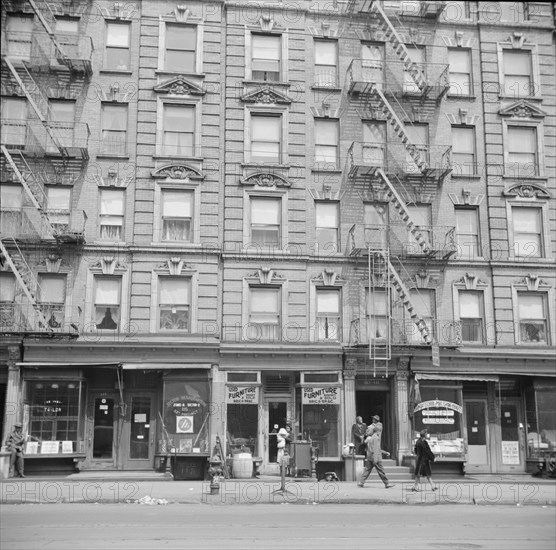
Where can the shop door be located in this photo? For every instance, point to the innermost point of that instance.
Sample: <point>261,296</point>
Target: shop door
<point>478,459</point>
<point>511,444</point>
<point>369,403</point>
<point>138,431</point>
<point>277,412</point>
<point>101,428</point>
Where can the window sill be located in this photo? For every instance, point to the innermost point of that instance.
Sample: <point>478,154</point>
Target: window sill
<point>461,96</point>
<point>467,176</point>
<point>164,72</point>
<point>525,177</point>
<point>251,82</point>
<point>327,88</point>
<point>176,244</point>
<point>264,165</point>
<point>171,158</point>
<point>109,156</point>
<point>115,71</point>
<point>520,97</point>
<point>323,168</point>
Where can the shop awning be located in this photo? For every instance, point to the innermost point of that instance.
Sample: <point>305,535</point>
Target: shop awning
<point>47,364</point>
<point>165,366</point>
<point>464,377</point>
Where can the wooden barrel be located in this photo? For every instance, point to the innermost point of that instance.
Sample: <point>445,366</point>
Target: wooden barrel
<point>242,466</point>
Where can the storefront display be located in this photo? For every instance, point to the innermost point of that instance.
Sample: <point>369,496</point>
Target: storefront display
<point>242,413</point>
<point>541,419</point>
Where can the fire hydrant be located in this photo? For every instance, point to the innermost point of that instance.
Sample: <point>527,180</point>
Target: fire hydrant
<point>215,471</point>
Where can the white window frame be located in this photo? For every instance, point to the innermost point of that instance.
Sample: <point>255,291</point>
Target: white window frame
<point>252,54</point>
<point>539,170</point>
<point>548,298</point>
<point>106,46</point>
<point>470,90</point>
<point>194,103</point>
<point>282,155</point>
<point>122,151</point>
<point>58,216</point>
<point>545,251</point>
<point>249,53</point>
<point>317,82</point>
<point>188,284</point>
<point>481,297</point>
<point>199,29</point>
<point>254,244</point>
<point>63,305</point>
<point>122,216</point>
<point>252,335</point>
<point>21,37</point>
<point>248,246</point>
<point>490,327</point>
<point>327,249</point>
<point>337,335</point>
<point>90,304</point>
<point>327,121</point>
<point>473,167</point>
<point>535,71</point>
<point>387,317</point>
<point>191,193</point>
<point>466,253</point>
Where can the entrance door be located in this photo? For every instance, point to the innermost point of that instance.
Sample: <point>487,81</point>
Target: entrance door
<point>277,412</point>
<point>102,416</point>
<point>139,431</point>
<point>477,435</point>
<point>369,403</point>
<point>511,445</point>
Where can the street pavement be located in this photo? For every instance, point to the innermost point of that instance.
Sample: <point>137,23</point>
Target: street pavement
<point>118,488</point>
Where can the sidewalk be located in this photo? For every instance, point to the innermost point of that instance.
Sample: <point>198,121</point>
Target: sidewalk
<point>513,490</point>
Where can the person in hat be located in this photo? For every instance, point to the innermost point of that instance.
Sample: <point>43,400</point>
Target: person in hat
<point>374,457</point>
<point>281,444</point>
<point>424,459</point>
<point>358,431</point>
<point>15,444</point>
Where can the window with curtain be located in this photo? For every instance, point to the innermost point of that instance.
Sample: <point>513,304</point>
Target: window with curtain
<point>174,299</point>
<point>463,151</point>
<point>460,71</point>
<point>177,215</point>
<point>326,63</point>
<point>265,221</point>
<point>111,214</point>
<point>329,314</point>
<point>180,48</point>
<point>471,316</point>
<point>377,314</point>
<point>117,52</point>
<point>326,214</point>
<point>266,54</point>
<point>527,231</point>
<point>522,151</point>
<point>266,132</point>
<point>114,129</point>
<point>52,297</point>
<point>107,302</point>
<point>467,233</point>
<point>19,35</point>
<point>517,68</point>
<point>326,141</point>
<point>59,205</point>
<point>178,130</point>
<point>532,312</point>
<point>264,314</point>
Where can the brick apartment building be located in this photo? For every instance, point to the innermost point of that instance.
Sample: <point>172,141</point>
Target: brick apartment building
<point>219,217</point>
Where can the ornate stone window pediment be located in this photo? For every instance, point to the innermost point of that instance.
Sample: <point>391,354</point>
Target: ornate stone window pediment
<point>526,191</point>
<point>109,265</point>
<point>177,172</point>
<point>532,283</point>
<point>328,277</point>
<point>264,276</point>
<point>266,96</point>
<point>181,14</point>
<point>264,179</point>
<point>522,109</point>
<point>179,86</point>
<point>471,282</point>
<point>174,266</point>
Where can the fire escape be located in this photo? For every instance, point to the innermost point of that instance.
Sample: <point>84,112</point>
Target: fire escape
<point>396,173</point>
<point>37,149</point>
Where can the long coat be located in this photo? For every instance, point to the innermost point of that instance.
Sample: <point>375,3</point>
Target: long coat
<point>424,458</point>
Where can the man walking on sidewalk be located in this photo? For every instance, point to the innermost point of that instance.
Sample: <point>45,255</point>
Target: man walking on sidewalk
<point>374,458</point>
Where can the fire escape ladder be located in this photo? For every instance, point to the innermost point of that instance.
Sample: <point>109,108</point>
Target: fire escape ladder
<point>25,278</point>
<point>399,128</point>
<point>398,44</point>
<point>403,293</point>
<point>401,208</point>
<point>38,102</point>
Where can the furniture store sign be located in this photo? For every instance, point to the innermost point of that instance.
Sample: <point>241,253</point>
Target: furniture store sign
<point>320,396</point>
<point>437,411</point>
<point>243,395</point>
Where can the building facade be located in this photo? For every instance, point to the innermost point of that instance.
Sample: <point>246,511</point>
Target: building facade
<point>222,217</point>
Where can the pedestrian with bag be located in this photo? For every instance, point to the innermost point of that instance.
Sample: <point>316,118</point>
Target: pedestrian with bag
<point>423,461</point>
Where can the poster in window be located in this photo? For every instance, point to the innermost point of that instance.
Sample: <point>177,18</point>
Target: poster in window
<point>243,395</point>
<point>32,448</point>
<point>49,447</point>
<point>510,452</point>
<point>326,395</point>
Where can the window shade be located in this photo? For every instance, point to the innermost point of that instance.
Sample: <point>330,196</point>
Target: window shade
<point>177,204</point>
<point>107,291</point>
<point>469,305</point>
<point>265,211</point>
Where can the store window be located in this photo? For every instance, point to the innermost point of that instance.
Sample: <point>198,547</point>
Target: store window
<point>242,412</point>
<point>541,420</point>
<point>52,411</point>
<point>180,46</point>
<point>439,410</point>
<point>266,54</point>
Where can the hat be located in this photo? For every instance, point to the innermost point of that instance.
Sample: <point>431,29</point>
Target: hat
<point>423,432</point>
<point>376,417</point>
<point>18,425</point>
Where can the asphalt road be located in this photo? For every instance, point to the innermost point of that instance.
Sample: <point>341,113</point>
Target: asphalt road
<point>282,526</point>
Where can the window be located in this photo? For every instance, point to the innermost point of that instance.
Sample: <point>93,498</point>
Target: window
<point>376,225</point>
<point>374,143</point>
<point>378,310</point>
<point>417,55</point>
<point>19,31</point>
<point>66,25</point>
<point>174,299</point>
<point>522,151</point>
<point>421,217</point>
<point>423,301</point>
<point>418,135</point>
<point>527,231</point>
<point>467,233</point>
<point>114,130</point>
<point>532,314</point>
<point>7,299</point>
<point>460,72</point>
<point>111,214</point>
<point>266,139</point>
<point>326,63</point>
<point>117,46</point>
<point>11,204</point>
<point>52,297</point>
<point>372,63</point>
<point>265,221</point>
<point>517,76</point>
<point>61,116</point>
<point>107,298</point>
<point>471,316</point>
<point>14,122</point>
<point>58,203</point>
<point>326,141</point>
<point>327,226</point>
<point>264,314</point>
<point>180,46</point>
<point>178,138</point>
<point>463,150</point>
<point>328,314</point>
<point>177,215</point>
<point>265,63</point>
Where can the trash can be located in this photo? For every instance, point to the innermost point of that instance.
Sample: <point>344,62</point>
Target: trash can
<point>354,466</point>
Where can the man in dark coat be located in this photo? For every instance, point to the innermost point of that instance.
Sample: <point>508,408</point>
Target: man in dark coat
<point>423,461</point>
<point>374,459</point>
<point>15,443</point>
<point>358,436</point>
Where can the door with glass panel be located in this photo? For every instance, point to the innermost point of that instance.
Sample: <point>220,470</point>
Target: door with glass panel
<point>277,411</point>
<point>101,430</point>
<point>138,431</point>
<point>511,445</point>
<point>478,458</point>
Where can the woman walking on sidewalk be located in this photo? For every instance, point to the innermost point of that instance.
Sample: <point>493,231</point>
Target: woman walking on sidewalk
<point>423,463</point>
